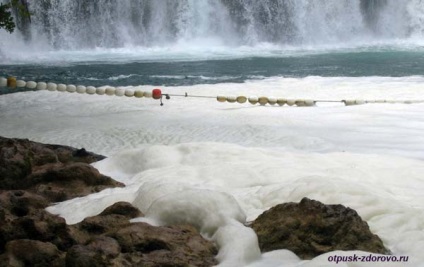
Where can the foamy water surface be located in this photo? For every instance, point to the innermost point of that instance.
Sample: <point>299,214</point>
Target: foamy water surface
<point>220,165</point>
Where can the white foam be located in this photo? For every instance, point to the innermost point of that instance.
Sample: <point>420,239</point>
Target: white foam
<point>220,165</point>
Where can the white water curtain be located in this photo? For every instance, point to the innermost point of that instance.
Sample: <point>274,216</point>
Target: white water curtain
<point>81,24</point>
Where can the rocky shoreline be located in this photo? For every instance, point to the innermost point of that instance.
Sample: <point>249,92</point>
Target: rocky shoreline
<point>34,176</point>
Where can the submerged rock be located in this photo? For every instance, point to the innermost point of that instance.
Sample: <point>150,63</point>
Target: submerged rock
<point>310,228</point>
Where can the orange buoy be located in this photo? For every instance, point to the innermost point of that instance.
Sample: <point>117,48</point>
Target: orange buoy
<point>11,82</point>
<point>157,94</point>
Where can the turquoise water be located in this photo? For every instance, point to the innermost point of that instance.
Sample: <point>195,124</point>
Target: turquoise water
<point>178,72</point>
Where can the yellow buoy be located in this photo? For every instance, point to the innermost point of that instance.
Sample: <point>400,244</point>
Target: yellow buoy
<point>241,99</point>
<point>138,93</point>
<point>221,98</point>
<point>11,82</point>
<point>281,101</point>
<point>263,100</point>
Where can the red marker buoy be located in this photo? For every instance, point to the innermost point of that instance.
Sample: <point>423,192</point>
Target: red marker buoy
<point>157,94</point>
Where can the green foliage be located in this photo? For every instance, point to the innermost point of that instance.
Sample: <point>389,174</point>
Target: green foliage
<point>6,19</point>
<point>19,7</point>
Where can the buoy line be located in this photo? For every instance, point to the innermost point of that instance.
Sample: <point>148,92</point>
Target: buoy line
<point>12,82</point>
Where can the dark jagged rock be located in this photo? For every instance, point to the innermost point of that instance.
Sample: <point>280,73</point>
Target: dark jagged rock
<point>117,242</point>
<point>112,218</point>
<point>56,172</point>
<point>31,253</point>
<point>310,228</point>
<point>39,154</point>
<point>139,244</point>
<point>24,217</point>
<point>19,157</point>
<point>83,256</point>
<point>124,209</point>
<point>60,182</point>
<point>34,176</point>
<point>164,246</point>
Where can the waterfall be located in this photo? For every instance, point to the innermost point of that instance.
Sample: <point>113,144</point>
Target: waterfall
<point>81,24</point>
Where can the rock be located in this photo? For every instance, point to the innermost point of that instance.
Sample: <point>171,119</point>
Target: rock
<point>105,245</point>
<point>56,172</point>
<point>117,242</point>
<point>31,253</point>
<point>33,176</point>
<point>123,208</point>
<point>310,228</point>
<point>164,246</point>
<point>14,164</point>
<point>59,182</point>
<point>112,218</point>
<point>24,217</point>
<point>100,251</point>
<point>103,224</point>
<point>19,157</point>
<point>82,256</point>
<point>20,203</point>
<point>108,239</point>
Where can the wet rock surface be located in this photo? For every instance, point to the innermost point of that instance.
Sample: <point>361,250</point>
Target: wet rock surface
<point>56,172</point>
<point>34,176</point>
<point>311,228</point>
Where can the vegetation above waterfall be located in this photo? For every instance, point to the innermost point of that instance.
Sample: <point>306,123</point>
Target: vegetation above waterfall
<point>6,20</point>
<point>19,8</point>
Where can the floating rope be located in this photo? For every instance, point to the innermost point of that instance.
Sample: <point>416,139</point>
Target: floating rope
<point>157,94</point>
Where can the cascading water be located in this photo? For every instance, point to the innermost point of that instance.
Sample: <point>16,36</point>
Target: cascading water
<point>79,24</point>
